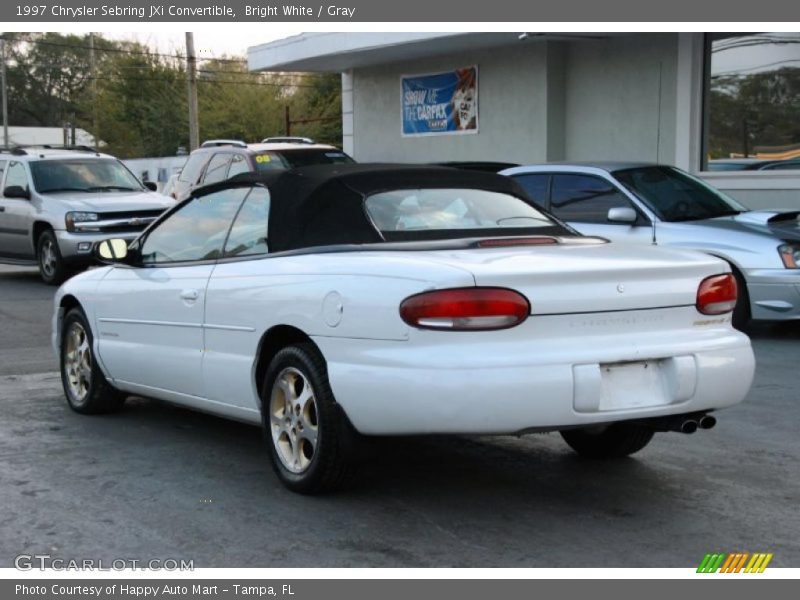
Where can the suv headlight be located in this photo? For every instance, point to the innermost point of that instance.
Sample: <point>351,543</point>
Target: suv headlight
<point>78,217</point>
<point>790,255</point>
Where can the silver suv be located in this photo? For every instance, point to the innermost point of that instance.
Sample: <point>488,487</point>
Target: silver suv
<point>56,203</point>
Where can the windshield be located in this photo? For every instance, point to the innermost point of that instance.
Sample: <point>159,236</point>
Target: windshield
<point>289,159</point>
<point>447,213</point>
<point>81,175</point>
<point>677,196</point>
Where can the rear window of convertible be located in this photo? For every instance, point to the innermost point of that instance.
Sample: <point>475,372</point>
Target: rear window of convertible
<point>430,210</point>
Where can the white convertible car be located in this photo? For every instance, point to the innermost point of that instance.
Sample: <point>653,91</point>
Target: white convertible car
<point>329,301</point>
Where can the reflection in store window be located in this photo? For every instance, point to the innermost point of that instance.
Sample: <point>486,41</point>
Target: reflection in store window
<point>753,102</point>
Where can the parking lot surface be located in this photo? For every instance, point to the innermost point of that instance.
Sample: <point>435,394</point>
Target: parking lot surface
<point>157,481</point>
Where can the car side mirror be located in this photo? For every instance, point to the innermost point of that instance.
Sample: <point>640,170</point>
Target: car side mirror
<point>151,185</point>
<point>623,215</point>
<point>17,191</point>
<point>112,251</point>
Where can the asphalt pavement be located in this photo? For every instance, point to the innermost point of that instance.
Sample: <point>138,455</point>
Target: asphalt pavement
<point>158,481</point>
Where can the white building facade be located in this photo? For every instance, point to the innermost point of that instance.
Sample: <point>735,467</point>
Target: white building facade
<point>557,97</point>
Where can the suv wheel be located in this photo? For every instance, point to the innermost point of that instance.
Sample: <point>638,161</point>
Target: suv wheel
<point>52,269</point>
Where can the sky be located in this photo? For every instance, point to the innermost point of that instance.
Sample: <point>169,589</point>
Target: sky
<point>207,44</point>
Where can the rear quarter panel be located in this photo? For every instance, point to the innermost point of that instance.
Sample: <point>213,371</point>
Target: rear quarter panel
<point>326,296</point>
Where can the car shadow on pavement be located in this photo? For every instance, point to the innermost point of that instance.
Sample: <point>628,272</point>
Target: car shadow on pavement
<point>20,274</point>
<point>537,467</point>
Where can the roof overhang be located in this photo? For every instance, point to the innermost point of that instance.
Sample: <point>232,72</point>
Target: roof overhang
<point>337,52</point>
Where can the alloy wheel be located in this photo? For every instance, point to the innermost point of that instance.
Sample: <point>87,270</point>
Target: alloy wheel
<point>78,363</point>
<point>294,420</point>
<point>47,258</point>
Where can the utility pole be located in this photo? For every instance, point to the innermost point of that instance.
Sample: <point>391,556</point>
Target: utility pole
<point>5,91</point>
<point>745,138</point>
<point>191,74</point>
<point>94,92</point>
<point>287,121</point>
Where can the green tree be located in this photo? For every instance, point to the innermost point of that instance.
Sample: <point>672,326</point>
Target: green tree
<point>48,74</point>
<point>320,103</point>
<point>756,110</point>
<point>237,104</point>
<point>140,97</point>
<point>142,104</point>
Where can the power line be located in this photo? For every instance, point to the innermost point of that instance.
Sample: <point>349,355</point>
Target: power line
<point>148,52</point>
<point>203,71</point>
<point>756,68</point>
<point>202,80</point>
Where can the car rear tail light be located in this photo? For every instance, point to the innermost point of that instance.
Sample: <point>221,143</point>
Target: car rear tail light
<point>717,294</point>
<point>465,309</point>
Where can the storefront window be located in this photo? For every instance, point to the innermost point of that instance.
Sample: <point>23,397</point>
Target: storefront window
<point>753,102</point>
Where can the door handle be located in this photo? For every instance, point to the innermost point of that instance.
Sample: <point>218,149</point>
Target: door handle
<point>2,209</point>
<point>190,295</point>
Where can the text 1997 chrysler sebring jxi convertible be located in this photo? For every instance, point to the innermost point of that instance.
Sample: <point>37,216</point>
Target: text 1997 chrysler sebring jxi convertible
<point>329,301</point>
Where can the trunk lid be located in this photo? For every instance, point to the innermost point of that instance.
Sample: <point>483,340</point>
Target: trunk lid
<point>572,278</point>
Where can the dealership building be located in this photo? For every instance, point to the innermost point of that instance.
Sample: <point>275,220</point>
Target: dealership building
<point>702,102</point>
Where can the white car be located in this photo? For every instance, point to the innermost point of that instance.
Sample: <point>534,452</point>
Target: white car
<point>650,204</point>
<point>329,301</point>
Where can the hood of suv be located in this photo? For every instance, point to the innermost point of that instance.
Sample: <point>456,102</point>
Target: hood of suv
<point>111,201</point>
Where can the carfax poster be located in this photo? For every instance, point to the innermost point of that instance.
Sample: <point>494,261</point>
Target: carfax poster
<point>440,103</point>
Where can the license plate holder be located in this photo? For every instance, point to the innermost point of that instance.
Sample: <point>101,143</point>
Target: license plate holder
<point>632,385</point>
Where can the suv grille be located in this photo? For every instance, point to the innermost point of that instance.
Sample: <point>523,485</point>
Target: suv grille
<point>110,222</point>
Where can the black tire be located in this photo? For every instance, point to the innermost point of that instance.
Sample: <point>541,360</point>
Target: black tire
<point>741,312</point>
<point>51,265</point>
<point>303,465</point>
<point>85,387</point>
<point>615,441</point>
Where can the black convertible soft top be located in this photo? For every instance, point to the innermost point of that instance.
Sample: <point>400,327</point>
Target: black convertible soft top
<point>323,205</point>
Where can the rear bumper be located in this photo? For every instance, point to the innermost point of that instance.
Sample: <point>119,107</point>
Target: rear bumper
<point>469,386</point>
<point>774,294</point>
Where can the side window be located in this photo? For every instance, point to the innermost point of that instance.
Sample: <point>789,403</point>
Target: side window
<point>196,231</point>
<point>217,169</point>
<point>584,198</point>
<point>191,170</point>
<point>17,175</point>
<point>238,165</point>
<point>536,187</point>
<point>248,235</point>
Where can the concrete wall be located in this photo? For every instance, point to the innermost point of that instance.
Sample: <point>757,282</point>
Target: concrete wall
<point>631,97</point>
<point>512,99</point>
<point>758,190</point>
<point>621,97</point>
<point>612,98</point>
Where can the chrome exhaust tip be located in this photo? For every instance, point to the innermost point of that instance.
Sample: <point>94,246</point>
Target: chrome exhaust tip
<point>688,426</point>
<point>706,422</point>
